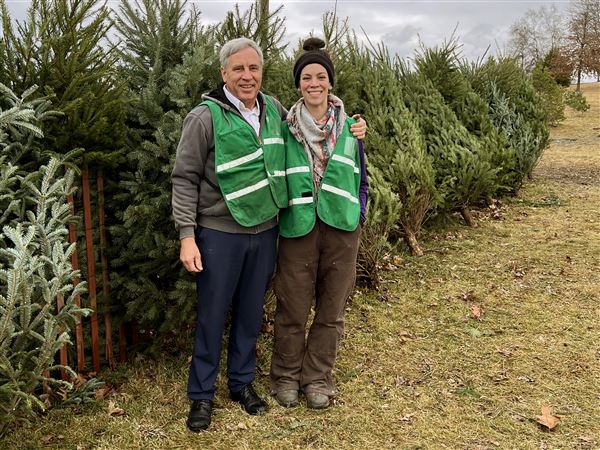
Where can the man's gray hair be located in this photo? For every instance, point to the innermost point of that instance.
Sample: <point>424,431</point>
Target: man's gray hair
<point>234,46</point>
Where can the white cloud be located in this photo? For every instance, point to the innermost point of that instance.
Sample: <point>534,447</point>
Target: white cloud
<point>398,23</point>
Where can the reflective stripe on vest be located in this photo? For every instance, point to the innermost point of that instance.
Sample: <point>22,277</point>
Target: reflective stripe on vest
<point>238,162</point>
<point>340,192</point>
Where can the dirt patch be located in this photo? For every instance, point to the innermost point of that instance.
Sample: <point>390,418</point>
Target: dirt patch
<point>578,174</point>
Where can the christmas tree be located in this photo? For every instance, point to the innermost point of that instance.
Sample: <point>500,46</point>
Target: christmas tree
<point>37,297</point>
<point>463,173</point>
<point>441,65</point>
<point>397,149</point>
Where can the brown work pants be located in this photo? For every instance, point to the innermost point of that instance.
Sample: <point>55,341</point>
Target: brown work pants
<point>320,266</point>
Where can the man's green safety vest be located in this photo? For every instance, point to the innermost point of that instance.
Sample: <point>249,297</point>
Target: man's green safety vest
<point>250,171</point>
<point>338,203</point>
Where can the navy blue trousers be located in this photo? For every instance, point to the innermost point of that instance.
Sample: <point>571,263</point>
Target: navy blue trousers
<point>237,272</point>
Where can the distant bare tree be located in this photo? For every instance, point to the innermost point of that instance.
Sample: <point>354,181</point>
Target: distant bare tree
<point>560,63</point>
<point>534,35</point>
<point>583,38</point>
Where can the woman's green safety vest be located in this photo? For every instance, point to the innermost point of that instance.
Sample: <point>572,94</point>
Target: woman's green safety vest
<point>251,172</point>
<point>338,203</point>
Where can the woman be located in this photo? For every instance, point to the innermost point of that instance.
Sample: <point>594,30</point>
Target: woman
<point>319,234</point>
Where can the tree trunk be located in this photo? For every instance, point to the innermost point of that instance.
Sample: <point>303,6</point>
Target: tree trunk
<point>411,239</point>
<point>263,15</point>
<point>104,264</point>
<point>464,211</point>
<point>91,270</point>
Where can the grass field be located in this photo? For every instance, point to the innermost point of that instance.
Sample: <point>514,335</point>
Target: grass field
<point>461,348</point>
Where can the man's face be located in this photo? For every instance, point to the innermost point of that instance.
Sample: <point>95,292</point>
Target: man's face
<point>243,75</point>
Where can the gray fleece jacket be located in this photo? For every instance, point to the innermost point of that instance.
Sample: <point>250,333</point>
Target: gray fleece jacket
<point>197,198</point>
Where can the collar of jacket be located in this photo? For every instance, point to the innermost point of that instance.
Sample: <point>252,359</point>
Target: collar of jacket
<point>218,95</point>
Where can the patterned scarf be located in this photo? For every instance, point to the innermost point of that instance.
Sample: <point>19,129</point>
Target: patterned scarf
<point>318,138</point>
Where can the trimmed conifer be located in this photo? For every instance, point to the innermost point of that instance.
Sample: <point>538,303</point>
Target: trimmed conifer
<point>397,149</point>
<point>441,65</point>
<point>515,109</point>
<point>550,92</point>
<point>463,175</point>
<point>62,49</point>
<point>381,221</point>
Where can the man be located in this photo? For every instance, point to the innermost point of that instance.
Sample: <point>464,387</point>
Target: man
<point>228,186</point>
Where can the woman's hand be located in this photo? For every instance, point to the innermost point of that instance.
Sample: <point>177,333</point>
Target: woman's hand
<point>359,129</point>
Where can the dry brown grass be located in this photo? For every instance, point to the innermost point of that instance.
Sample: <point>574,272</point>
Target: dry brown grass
<point>417,369</point>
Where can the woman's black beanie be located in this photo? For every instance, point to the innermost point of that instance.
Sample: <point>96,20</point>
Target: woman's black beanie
<point>313,55</point>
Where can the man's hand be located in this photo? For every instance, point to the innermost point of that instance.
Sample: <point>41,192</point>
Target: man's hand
<point>359,129</point>
<point>190,255</point>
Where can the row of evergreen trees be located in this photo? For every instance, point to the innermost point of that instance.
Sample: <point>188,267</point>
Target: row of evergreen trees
<point>444,136</point>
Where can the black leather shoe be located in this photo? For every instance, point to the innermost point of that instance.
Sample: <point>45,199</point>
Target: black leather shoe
<point>199,416</point>
<point>250,400</point>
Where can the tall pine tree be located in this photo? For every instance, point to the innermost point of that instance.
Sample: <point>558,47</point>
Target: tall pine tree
<point>168,62</point>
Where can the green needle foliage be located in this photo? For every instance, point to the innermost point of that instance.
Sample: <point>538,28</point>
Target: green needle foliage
<point>550,92</point>
<point>168,62</point>
<point>516,110</point>
<point>576,100</point>
<point>62,49</point>
<point>397,149</point>
<point>35,268</point>
<point>463,175</point>
<point>442,67</point>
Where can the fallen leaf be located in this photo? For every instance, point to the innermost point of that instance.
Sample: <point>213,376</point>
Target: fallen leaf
<point>45,398</point>
<point>242,426</point>
<point>47,439</point>
<point>476,311</point>
<point>547,419</point>
<point>401,381</point>
<point>102,393</point>
<point>78,381</point>
<point>504,352</point>
<point>519,273</point>
<point>405,336</point>
<point>114,410</point>
<point>63,394</point>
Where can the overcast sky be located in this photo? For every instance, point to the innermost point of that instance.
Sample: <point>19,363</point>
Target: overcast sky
<point>399,24</point>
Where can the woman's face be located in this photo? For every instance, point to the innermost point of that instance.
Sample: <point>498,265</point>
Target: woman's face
<point>314,85</point>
